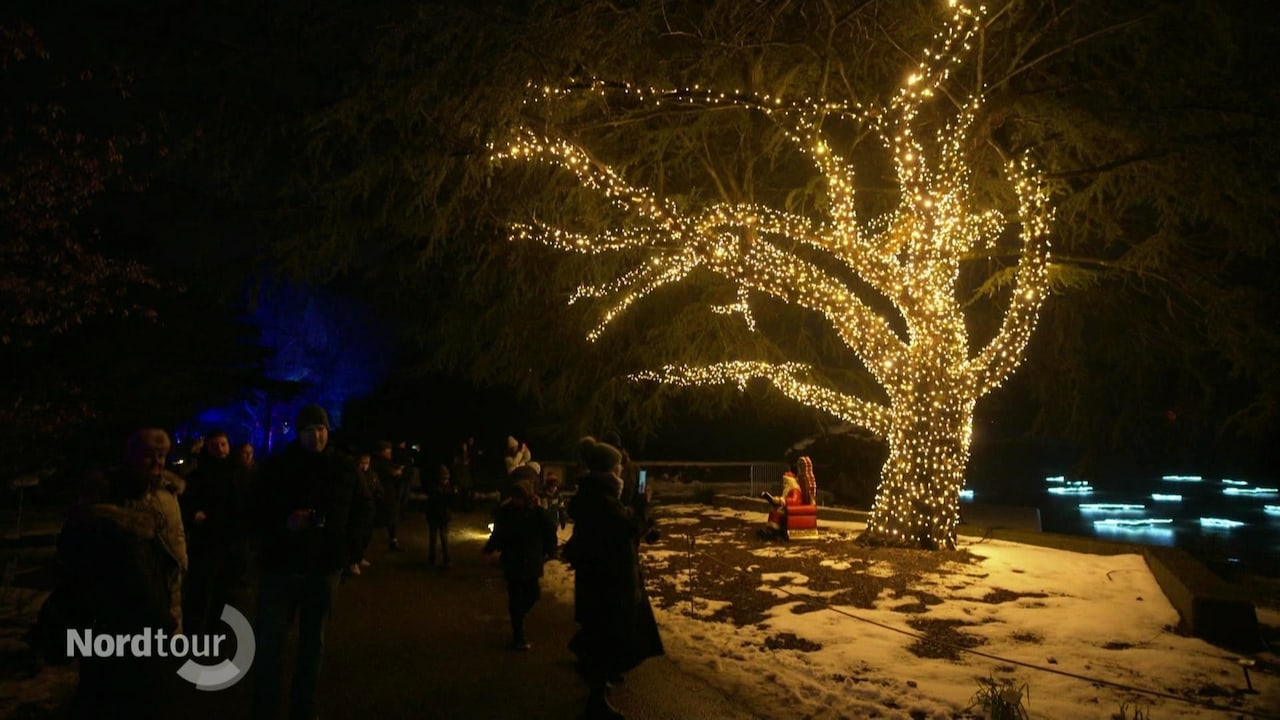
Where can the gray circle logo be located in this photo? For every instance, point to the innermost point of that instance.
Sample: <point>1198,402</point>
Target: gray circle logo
<point>227,672</point>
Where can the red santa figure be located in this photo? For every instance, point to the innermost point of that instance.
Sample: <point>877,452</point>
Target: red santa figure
<point>790,495</point>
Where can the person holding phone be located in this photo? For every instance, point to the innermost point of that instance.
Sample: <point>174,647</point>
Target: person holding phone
<point>616,626</point>
<point>308,512</point>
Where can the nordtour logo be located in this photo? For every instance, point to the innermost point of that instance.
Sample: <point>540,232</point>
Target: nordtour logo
<point>153,643</point>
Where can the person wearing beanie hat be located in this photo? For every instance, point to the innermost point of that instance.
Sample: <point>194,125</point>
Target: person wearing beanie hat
<point>617,630</point>
<point>604,462</point>
<point>525,538</point>
<point>309,509</point>
<point>599,457</point>
<point>630,472</point>
<point>309,416</point>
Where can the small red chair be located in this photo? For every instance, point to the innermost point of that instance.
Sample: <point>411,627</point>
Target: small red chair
<point>802,519</point>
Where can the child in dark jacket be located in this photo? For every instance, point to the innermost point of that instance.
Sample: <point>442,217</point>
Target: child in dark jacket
<point>553,502</point>
<point>526,538</point>
<point>440,497</point>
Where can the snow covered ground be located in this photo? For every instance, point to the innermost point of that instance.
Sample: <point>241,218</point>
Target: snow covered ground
<point>825,630</point>
<point>1081,635</point>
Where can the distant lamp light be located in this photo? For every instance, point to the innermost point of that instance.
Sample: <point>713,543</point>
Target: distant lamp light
<point>1056,479</point>
<point>1132,523</point>
<point>1083,489</point>
<point>1272,509</point>
<point>1211,522</point>
<point>1166,497</point>
<point>966,494</point>
<point>1111,507</point>
<point>1234,482</point>
<point>1182,478</point>
<point>1258,491</point>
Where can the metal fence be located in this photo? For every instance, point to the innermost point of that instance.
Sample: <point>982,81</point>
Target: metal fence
<point>749,477</point>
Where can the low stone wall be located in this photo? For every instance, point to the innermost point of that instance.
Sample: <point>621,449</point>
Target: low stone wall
<point>1012,517</point>
<point>1211,608</point>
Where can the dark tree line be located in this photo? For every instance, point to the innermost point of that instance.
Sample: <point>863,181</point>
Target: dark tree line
<point>348,143</point>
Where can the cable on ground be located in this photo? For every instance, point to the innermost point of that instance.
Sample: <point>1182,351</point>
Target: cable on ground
<point>1032,666</point>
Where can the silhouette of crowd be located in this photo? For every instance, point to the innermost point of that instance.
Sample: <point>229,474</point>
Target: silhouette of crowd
<point>173,537</point>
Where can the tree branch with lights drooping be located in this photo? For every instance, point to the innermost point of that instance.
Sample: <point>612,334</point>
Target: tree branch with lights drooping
<point>910,255</point>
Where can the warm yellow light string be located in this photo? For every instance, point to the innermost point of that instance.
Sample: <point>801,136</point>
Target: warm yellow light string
<point>910,255</point>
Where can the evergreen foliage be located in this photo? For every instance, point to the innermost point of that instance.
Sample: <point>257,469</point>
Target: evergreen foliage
<point>1146,115</point>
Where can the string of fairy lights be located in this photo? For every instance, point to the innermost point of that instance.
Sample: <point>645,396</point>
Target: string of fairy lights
<point>911,255</point>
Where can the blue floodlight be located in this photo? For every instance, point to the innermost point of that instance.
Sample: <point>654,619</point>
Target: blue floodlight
<point>1234,482</point>
<point>1182,478</point>
<point>1056,479</point>
<point>1111,507</point>
<point>1271,509</point>
<point>966,494</point>
<point>1166,497</point>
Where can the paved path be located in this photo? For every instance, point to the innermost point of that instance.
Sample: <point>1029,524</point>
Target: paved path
<point>411,641</point>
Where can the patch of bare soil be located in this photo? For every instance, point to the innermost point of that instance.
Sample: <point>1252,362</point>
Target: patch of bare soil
<point>723,560</point>
<point>943,638</point>
<point>1000,595</point>
<point>790,641</point>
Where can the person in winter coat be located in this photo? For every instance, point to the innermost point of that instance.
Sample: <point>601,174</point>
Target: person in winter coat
<point>119,569</point>
<point>776,523</point>
<point>517,454</point>
<point>370,496</point>
<point>163,498</point>
<point>526,539</point>
<point>308,510</point>
<point>552,501</point>
<point>392,477</point>
<point>461,471</point>
<point>213,512</point>
<point>617,630</point>
<point>440,499</point>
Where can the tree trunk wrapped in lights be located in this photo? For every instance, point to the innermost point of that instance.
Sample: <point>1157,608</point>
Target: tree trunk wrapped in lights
<point>909,255</point>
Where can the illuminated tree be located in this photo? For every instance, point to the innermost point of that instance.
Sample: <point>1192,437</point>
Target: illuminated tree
<point>1148,119</point>
<point>909,255</point>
